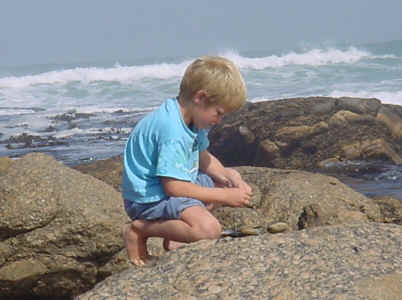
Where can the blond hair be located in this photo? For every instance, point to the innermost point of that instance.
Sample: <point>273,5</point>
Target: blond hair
<point>219,78</point>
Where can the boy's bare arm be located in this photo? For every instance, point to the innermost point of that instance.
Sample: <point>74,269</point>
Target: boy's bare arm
<point>235,197</point>
<point>210,165</point>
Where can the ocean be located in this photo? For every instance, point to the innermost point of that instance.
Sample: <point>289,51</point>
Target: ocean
<point>85,111</point>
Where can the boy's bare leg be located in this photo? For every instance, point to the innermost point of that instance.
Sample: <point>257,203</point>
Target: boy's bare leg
<point>172,245</point>
<point>135,244</point>
<point>196,224</point>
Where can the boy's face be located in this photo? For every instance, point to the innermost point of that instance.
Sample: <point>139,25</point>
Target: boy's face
<point>207,115</point>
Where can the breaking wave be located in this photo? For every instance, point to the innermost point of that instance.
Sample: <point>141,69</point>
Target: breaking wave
<point>163,71</point>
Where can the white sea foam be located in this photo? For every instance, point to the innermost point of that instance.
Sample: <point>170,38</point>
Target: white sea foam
<point>257,99</point>
<point>314,57</point>
<point>78,131</point>
<point>384,97</point>
<point>67,133</point>
<point>14,111</point>
<point>105,110</point>
<point>163,71</point>
<point>109,130</point>
<point>122,74</point>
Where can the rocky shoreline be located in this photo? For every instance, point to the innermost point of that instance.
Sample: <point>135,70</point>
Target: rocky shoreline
<point>309,133</point>
<point>60,226</point>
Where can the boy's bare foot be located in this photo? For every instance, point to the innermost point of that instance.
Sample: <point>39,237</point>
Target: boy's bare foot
<point>171,245</point>
<point>135,245</point>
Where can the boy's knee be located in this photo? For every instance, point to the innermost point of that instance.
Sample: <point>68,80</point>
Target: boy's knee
<point>211,230</point>
<point>232,171</point>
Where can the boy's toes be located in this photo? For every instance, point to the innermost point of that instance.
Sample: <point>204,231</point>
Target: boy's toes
<point>138,262</point>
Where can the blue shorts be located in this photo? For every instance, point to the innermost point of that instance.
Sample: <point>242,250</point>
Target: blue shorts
<point>168,208</point>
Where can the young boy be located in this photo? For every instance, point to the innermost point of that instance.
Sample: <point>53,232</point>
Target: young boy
<point>164,193</point>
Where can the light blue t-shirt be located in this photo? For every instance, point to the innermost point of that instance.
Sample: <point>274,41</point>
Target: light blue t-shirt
<point>161,144</point>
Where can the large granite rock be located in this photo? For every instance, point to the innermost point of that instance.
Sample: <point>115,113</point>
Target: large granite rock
<point>58,229</point>
<point>308,133</point>
<point>108,170</point>
<point>359,261</point>
<point>300,199</point>
<point>391,209</point>
<point>290,196</point>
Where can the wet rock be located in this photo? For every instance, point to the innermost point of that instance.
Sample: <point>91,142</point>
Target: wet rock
<point>21,125</point>
<point>72,115</point>
<point>344,117</point>
<point>391,116</point>
<point>50,129</point>
<point>248,136</point>
<point>108,170</point>
<point>267,151</point>
<point>300,133</point>
<point>377,149</point>
<point>359,106</point>
<point>391,209</point>
<point>351,168</point>
<point>296,133</point>
<point>25,140</point>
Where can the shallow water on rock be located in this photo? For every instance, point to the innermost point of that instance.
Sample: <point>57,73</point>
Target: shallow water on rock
<point>370,178</point>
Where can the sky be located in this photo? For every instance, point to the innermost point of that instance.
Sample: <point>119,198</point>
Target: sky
<point>55,31</point>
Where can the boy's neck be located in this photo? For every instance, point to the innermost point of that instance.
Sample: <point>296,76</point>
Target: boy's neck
<point>186,112</point>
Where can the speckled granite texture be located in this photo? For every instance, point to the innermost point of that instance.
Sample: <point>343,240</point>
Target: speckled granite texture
<point>355,261</point>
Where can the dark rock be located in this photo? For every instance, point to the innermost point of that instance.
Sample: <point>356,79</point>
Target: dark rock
<point>359,106</point>
<point>72,115</point>
<point>108,170</point>
<point>391,209</point>
<point>313,215</point>
<point>50,129</point>
<point>25,140</point>
<point>391,116</point>
<point>301,133</point>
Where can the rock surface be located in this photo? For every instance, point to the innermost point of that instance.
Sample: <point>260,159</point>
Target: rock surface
<point>58,228</point>
<point>331,262</point>
<point>108,170</point>
<point>391,209</point>
<point>278,196</point>
<point>303,133</point>
<point>286,195</point>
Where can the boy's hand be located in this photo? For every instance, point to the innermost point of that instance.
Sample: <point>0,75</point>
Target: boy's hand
<point>238,197</point>
<point>234,179</point>
<point>243,185</point>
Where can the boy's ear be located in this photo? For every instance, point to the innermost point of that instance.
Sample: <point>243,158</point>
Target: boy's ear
<point>200,97</point>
